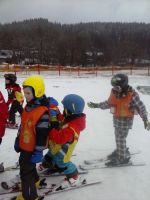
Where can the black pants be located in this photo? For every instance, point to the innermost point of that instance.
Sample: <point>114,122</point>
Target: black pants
<point>28,175</point>
<point>15,107</point>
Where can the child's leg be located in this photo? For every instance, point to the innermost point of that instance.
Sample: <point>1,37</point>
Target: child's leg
<point>28,176</point>
<point>70,168</point>
<point>121,135</point>
<point>12,111</point>
<point>20,109</point>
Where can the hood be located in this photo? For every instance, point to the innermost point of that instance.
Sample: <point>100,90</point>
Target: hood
<point>79,123</point>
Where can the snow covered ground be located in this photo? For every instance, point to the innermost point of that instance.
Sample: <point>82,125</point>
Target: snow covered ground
<point>96,141</point>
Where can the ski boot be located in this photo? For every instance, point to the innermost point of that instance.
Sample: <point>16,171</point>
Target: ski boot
<point>41,169</point>
<point>69,182</point>
<point>14,183</point>
<point>113,155</point>
<point>41,183</point>
<point>117,162</point>
<point>12,125</point>
<point>1,167</point>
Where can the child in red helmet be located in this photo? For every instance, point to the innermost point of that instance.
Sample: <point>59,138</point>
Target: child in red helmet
<point>124,103</point>
<point>15,99</point>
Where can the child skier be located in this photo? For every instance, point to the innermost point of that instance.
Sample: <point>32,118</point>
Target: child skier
<point>15,99</point>
<point>32,136</point>
<point>62,141</point>
<point>123,102</point>
<point>3,120</point>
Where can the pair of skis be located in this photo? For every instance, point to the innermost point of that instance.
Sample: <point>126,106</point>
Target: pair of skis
<point>100,163</point>
<point>56,188</point>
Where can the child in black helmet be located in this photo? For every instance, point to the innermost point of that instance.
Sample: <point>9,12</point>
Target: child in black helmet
<point>123,103</point>
<point>15,99</point>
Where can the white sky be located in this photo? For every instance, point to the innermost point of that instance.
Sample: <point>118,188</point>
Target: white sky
<point>75,11</point>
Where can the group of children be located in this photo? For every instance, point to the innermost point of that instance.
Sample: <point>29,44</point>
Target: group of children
<point>44,127</point>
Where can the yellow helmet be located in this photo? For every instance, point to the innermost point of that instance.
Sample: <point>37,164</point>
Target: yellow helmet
<point>37,83</point>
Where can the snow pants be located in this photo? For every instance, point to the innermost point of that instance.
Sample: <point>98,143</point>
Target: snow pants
<point>68,168</point>
<point>28,175</point>
<point>120,136</point>
<point>15,107</point>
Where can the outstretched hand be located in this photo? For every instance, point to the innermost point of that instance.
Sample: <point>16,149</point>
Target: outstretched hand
<point>147,125</point>
<point>93,105</point>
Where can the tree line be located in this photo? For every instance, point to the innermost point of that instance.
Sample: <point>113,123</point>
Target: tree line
<point>81,44</point>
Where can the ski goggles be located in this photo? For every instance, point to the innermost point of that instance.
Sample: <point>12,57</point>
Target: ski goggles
<point>117,88</point>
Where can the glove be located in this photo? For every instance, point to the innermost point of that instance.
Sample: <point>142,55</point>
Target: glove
<point>37,156</point>
<point>0,140</point>
<point>54,124</point>
<point>93,105</point>
<point>147,125</point>
<point>16,145</point>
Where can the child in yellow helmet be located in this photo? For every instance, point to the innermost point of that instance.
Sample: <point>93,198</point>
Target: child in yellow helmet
<point>32,136</point>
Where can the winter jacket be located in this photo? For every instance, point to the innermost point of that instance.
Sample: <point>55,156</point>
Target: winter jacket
<point>65,139</point>
<point>27,137</point>
<point>134,105</point>
<point>14,93</point>
<point>120,106</point>
<point>3,115</point>
<point>34,121</point>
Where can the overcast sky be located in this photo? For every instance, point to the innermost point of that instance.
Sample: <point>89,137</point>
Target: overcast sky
<point>75,11</point>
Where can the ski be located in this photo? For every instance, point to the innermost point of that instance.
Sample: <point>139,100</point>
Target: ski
<point>16,189</point>
<point>103,166</point>
<point>55,189</point>
<point>59,189</point>
<point>95,161</point>
<point>16,181</point>
<point>12,167</point>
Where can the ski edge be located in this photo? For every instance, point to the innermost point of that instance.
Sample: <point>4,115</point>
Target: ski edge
<point>92,167</point>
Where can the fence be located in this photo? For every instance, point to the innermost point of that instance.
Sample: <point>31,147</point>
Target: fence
<point>73,71</point>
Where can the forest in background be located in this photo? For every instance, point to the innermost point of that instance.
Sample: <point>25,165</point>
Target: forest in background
<point>82,44</point>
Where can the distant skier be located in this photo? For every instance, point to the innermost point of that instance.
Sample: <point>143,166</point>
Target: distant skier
<point>15,99</point>
<point>123,102</point>
<point>32,136</point>
<point>3,120</point>
<point>62,141</point>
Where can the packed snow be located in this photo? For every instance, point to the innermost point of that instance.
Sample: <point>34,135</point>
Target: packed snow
<point>96,141</point>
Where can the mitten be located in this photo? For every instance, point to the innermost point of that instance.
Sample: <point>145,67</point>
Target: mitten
<point>16,145</point>
<point>147,125</point>
<point>93,105</point>
<point>37,156</point>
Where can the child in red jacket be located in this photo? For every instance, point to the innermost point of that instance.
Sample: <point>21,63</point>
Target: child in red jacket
<point>3,119</point>
<point>4,115</point>
<point>62,141</point>
<point>15,99</point>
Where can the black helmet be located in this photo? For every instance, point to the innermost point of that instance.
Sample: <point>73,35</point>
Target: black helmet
<point>11,77</point>
<point>120,80</point>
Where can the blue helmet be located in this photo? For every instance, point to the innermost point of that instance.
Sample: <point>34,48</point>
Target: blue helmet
<point>73,103</point>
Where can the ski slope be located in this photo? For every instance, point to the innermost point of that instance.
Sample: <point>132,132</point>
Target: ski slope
<point>96,141</point>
